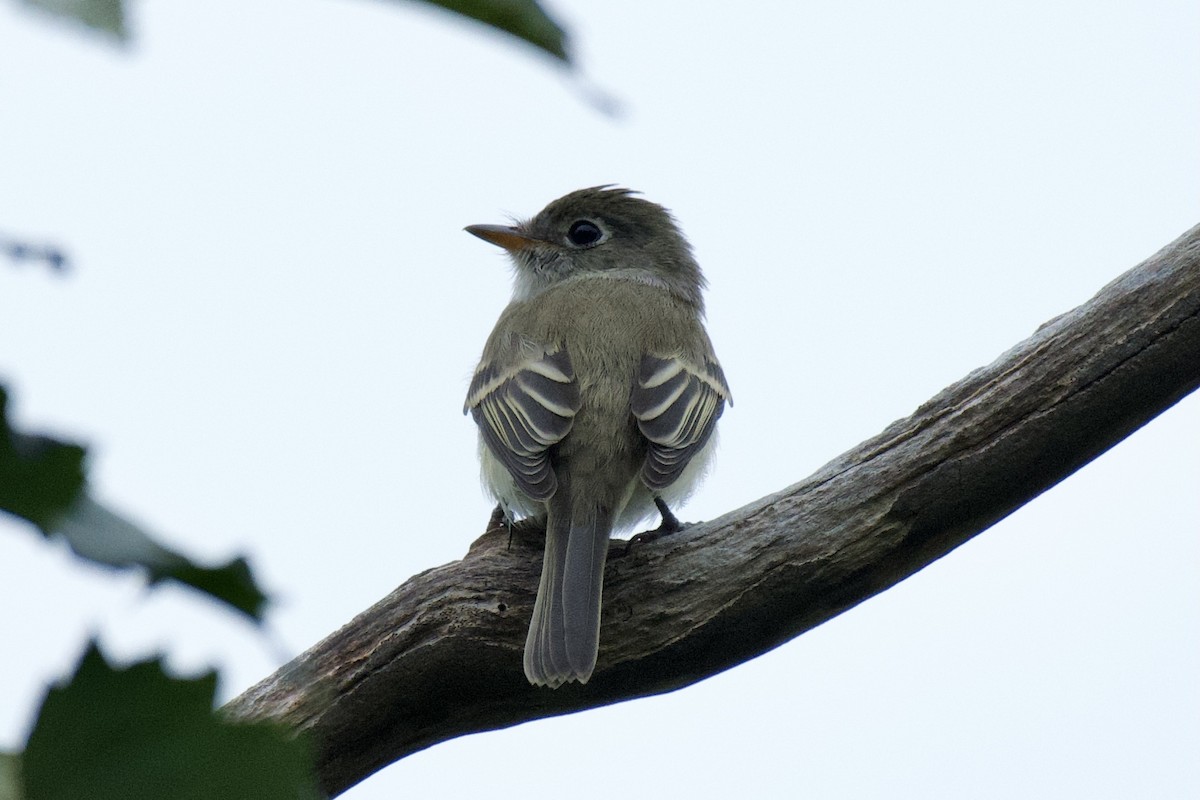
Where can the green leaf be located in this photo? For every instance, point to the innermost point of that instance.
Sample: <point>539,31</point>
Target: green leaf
<point>106,16</point>
<point>10,777</point>
<point>100,535</point>
<point>39,477</point>
<point>524,19</point>
<point>134,733</point>
<point>42,481</point>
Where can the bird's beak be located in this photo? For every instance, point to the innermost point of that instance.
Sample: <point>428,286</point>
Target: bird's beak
<point>510,239</point>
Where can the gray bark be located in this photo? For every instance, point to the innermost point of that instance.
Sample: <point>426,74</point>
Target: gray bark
<point>441,655</point>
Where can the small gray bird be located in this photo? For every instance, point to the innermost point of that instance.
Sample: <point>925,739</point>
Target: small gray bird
<point>596,398</point>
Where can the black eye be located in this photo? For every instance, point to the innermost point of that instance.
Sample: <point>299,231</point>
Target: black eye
<point>584,232</point>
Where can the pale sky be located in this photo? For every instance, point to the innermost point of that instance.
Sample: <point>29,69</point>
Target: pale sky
<point>274,314</point>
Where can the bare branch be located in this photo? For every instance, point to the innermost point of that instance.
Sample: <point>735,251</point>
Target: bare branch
<point>441,655</point>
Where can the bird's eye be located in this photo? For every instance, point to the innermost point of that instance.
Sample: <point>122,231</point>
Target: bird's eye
<point>584,233</point>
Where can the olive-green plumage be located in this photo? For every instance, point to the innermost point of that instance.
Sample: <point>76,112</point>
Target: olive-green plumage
<point>598,391</point>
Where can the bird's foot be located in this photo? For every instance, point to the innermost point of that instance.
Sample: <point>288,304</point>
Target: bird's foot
<point>670,524</point>
<point>503,521</point>
<point>498,521</point>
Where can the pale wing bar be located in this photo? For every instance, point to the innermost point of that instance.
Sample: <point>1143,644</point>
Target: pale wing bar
<point>677,407</point>
<point>522,412</point>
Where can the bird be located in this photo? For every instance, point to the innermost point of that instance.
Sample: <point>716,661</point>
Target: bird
<point>596,398</point>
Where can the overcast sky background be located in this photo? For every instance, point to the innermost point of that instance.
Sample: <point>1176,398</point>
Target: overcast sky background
<point>274,314</point>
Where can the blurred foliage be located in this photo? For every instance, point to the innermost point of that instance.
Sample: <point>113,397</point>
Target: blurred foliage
<point>39,477</point>
<point>105,16</point>
<point>10,777</point>
<point>137,733</point>
<point>524,19</point>
<point>103,537</point>
<point>49,255</point>
<point>42,481</point>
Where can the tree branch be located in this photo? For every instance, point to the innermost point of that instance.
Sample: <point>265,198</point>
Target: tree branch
<point>441,655</point>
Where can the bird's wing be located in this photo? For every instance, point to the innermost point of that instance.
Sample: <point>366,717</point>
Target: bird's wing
<point>522,410</point>
<point>676,405</point>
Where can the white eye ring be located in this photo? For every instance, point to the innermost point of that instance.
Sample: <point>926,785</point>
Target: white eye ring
<point>585,233</point>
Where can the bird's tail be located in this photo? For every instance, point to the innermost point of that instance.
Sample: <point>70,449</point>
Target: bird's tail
<point>564,633</point>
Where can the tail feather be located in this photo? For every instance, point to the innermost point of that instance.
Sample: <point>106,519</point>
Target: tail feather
<point>564,633</point>
<point>546,627</point>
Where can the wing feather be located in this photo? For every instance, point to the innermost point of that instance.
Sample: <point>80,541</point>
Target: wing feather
<point>676,405</point>
<point>522,411</point>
